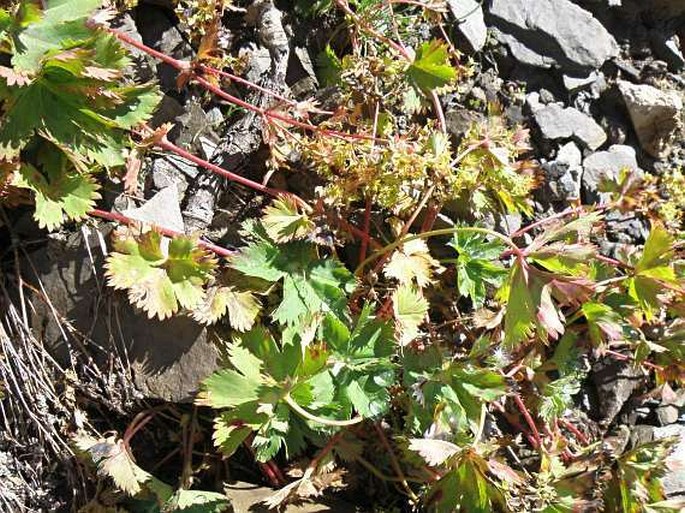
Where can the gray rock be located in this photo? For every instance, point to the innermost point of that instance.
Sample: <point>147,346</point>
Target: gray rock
<point>533,101</point>
<point>460,120</point>
<point>667,414</point>
<point>558,31</point>
<point>166,174</point>
<point>522,53</point>
<point>167,111</point>
<point>573,84</point>
<point>208,146</point>
<point>259,61</point>
<point>616,381</point>
<point>193,124</point>
<point>215,117</point>
<point>166,360</point>
<point>304,81</point>
<point>655,115</point>
<point>641,434</point>
<point>163,209</point>
<point>159,31</point>
<point>556,122</point>
<point>546,97</point>
<point>562,175</point>
<point>470,22</point>
<point>606,164</point>
<point>674,480</point>
<point>626,228</point>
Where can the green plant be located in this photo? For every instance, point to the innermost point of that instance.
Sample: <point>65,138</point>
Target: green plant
<point>447,355</point>
<point>64,101</point>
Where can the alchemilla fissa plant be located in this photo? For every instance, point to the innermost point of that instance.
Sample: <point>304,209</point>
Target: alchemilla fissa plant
<point>379,309</point>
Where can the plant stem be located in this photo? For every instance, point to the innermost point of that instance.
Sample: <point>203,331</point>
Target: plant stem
<point>529,420</point>
<point>276,193</point>
<point>235,78</point>
<point>326,449</point>
<point>355,232</point>
<point>266,469</point>
<point>613,261</point>
<point>625,358</point>
<point>186,67</point>
<point>580,436</point>
<point>371,31</point>
<point>439,113</point>
<point>408,223</point>
<point>559,215</point>
<point>319,420</point>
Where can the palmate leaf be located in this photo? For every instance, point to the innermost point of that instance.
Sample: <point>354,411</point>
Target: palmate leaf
<point>469,485</point>
<point>159,282</point>
<point>230,432</point>
<point>283,222</point>
<point>61,23</point>
<point>228,388</point>
<point>311,285</point>
<point>435,452</point>
<point>410,309</point>
<point>534,295</point>
<point>62,193</point>
<point>557,396</point>
<point>64,110</point>
<point>431,68</point>
<point>252,390</point>
<point>242,307</point>
<point>362,369</point>
<point>450,400</point>
<point>635,483</point>
<point>281,392</point>
<point>112,460</point>
<point>477,265</point>
<point>653,271</point>
<point>604,323</point>
<point>412,262</point>
<point>533,300</point>
<point>73,98</point>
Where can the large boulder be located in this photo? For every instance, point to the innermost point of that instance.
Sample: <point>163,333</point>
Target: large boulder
<point>656,115</point>
<point>74,312</point>
<point>558,33</point>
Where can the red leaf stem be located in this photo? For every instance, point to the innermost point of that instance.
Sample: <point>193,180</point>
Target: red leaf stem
<point>276,193</point>
<point>185,66</point>
<point>122,219</point>
<point>580,436</point>
<point>529,419</point>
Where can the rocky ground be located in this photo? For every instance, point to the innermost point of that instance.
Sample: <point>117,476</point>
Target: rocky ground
<point>600,83</point>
